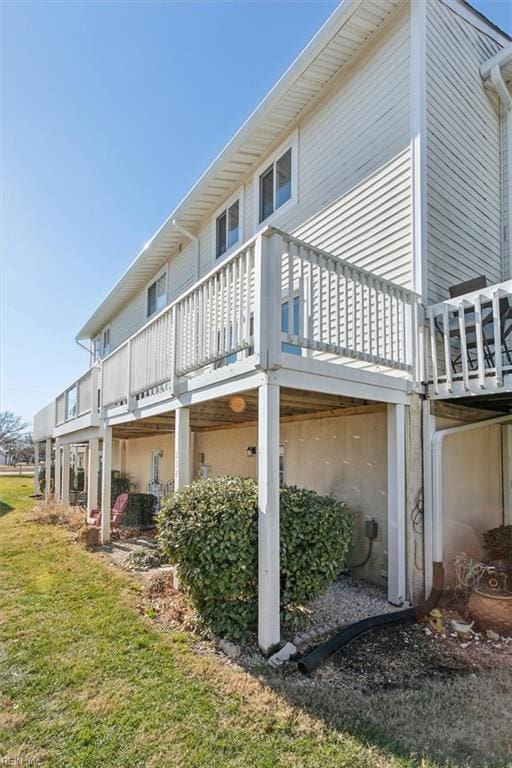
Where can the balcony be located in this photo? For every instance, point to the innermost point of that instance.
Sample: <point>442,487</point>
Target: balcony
<point>74,409</point>
<point>277,302</point>
<point>470,342</point>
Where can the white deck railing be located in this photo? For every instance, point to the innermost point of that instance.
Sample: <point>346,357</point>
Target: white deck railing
<point>213,320</point>
<point>334,307</point>
<point>274,295</point>
<point>470,341</point>
<point>44,422</point>
<point>78,399</point>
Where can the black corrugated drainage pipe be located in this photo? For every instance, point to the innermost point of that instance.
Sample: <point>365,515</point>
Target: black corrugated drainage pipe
<point>315,658</point>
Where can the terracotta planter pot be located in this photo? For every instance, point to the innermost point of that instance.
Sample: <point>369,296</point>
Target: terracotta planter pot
<point>492,610</point>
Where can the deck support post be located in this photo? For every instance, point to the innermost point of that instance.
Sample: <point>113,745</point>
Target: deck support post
<point>396,503</point>
<point>66,453</point>
<point>106,485</point>
<point>86,466</point>
<point>58,472</point>
<point>48,468</point>
<point>93,467</point>
<point>268,517</point>
<point>182,475</point>
<point>36,468</point>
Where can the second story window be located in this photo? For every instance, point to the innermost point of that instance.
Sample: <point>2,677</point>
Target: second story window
<point>157,295</point>
<point>276,185</point>
<point>102,344</point>
<point>228,226</point>
<point>105,350</point>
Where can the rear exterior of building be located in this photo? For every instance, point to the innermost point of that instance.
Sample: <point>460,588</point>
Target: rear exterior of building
<point>298,318</point>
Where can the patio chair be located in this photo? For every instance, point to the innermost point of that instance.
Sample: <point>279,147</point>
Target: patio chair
<point>505,309</point>
<point>117,513</point>
<point>468,286</point>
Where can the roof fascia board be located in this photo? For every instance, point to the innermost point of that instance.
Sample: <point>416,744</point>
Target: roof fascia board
<point>477,20</point>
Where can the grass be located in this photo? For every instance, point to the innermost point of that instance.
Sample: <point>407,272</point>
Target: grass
<point>86,680</point>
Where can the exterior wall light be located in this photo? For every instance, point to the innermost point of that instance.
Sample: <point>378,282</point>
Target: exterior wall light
<point>251,451</point>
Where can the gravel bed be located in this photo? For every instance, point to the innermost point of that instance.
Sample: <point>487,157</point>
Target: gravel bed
<point>347,600</point>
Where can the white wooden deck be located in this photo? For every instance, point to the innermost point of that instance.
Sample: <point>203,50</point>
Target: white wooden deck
<point>277,304</point>
<point>470,343</point>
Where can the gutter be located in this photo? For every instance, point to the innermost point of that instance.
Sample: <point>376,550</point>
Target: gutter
<point>194,239</point>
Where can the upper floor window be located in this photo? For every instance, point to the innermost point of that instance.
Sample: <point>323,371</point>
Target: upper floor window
<point>105,342</point>
<point>157,295</point>
<point>102,344</point>
<point>276,184</point>
<point>228,225</point>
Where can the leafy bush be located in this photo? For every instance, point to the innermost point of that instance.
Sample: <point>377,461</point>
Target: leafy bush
<point>498,543</point>
<point>42,478</point>
<point>120,483</point>
<point>209,530</point>
<point>80,478</point>
<point>140,511</point>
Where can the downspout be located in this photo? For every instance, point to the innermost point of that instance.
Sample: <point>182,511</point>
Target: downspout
<point>495,77</point>
<point>194,239</point>
<point>316,657</point>
<point>92,359</point>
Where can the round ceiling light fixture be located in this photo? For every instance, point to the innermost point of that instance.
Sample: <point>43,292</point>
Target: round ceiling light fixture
<point>237,404</point>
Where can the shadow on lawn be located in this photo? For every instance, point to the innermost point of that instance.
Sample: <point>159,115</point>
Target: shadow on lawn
<point>5,508</point>
<point>411,697</point>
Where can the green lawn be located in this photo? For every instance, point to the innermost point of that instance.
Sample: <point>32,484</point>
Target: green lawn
<point>86,681</point>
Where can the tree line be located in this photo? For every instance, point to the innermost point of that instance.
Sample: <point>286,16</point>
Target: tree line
<point>16,444</point>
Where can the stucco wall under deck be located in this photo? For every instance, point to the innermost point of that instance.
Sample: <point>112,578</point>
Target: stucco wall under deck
<point>343,456</point>
<point>472,490</point>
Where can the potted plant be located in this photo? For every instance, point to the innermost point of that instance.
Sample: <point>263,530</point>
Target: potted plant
<point>490,605</point>
<point>498,543</point>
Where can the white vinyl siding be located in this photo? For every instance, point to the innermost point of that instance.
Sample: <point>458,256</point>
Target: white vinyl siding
<point>464,203</point>
<point>354,163</point>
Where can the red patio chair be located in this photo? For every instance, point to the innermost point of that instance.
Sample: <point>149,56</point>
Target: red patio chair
<point>117,513</point>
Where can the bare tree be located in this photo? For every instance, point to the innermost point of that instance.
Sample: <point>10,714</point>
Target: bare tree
<point>24,449</point>
<point>12,433</point>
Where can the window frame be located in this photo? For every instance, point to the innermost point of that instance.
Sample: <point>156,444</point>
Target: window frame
<point>291,143</point>
<point>99,351</point>
<point>238,195</point>
<point>108,350</point>
<point>161,273</point>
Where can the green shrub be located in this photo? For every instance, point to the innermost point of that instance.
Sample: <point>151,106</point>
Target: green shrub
<point>120,483</point>
<point>80,478</point>
<point>140,511</point>
<point>42,478</point>
<point>209,530</point>
<point>498,543</point>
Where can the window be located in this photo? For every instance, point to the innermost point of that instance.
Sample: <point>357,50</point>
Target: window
<point>71,403</point>
<point>228,226</point>
<point>105,342</point>
<point>276,183</point>
<point>292,349</point>
<point>155,466</point>
<point>157,295</point>
<point>102,344</point>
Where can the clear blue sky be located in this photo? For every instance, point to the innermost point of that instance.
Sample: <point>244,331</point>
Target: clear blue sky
<point>110,111</point>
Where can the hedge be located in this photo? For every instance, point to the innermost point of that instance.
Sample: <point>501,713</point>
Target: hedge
<point>209,530</point>
<point>140,510</point>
